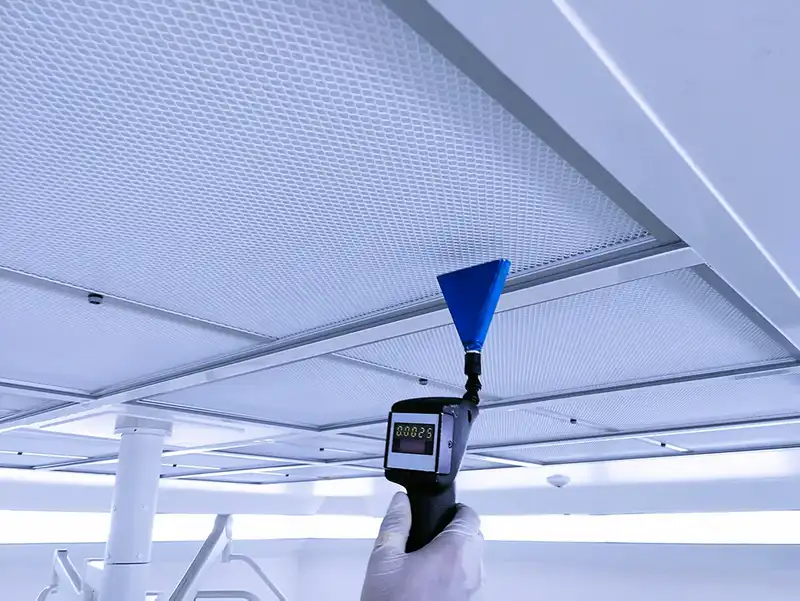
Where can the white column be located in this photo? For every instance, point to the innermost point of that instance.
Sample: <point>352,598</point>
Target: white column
<point>133,509</point>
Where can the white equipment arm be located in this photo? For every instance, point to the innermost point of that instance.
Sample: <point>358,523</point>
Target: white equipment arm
<point>64,573</point>
<point>211,550</point>
<point>243,595</point>
<point>260,573</point>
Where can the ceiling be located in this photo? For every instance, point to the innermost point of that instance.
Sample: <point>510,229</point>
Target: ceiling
<point>264,194</point>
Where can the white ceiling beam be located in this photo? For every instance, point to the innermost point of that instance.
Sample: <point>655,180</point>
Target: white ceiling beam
<point>589,94</point>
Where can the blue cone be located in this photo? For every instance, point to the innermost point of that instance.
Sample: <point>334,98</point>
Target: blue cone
<point>471,295</point>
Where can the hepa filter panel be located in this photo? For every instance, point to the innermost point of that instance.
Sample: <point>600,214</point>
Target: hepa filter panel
<point>665,325</point>
<point>276,166</point>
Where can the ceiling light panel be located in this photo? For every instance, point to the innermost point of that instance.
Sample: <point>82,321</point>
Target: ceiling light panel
<point>314,392</point>
<point>276,166</point>
<point>589,451</point>
<point>57,338</point>
<point>669,324</point>
<point>692,403</point>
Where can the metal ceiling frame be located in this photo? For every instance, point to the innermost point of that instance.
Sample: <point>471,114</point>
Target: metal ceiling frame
<point>758,279</point>
<point>519,293</point>
<point>574,278</point>
<point>476,452</point>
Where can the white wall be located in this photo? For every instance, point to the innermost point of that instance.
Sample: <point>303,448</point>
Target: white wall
<point>560,572</point>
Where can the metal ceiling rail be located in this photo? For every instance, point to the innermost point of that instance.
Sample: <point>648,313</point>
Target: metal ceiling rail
<point>768,369</point>
<point>534,401</point>
<point>654,433</point>
<point>476,452</point>
<point>519,292</point>
<point>298,464</point>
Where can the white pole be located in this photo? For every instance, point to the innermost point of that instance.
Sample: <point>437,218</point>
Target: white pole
<point>133,509</point>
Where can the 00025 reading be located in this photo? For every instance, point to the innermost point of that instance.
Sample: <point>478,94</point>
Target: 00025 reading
<point>418,439</point>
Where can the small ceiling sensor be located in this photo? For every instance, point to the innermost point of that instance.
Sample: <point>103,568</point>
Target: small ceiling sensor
<point>558,480</point>
<point>95,299</point>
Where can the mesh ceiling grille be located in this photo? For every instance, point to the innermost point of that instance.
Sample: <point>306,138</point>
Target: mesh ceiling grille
<point>674,323</point>
<point>314,392</point>
<point>245,478</point>
<point>739,439</point>
<point>500,426</point>
<point>318,448</point>
<point>589,451</point>
<point>275,166</point>
<point>59,447</point>
<point>57,338</point>
<point>11,404</point>
<point>704,402</point>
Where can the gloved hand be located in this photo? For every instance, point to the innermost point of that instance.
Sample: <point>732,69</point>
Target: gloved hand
<point>449,568</point>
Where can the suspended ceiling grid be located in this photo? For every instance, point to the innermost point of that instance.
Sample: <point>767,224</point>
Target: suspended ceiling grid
<point>264,196</point>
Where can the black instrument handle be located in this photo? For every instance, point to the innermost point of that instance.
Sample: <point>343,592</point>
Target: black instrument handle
<point>430,515</point>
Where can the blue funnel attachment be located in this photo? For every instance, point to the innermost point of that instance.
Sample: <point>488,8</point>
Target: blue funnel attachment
<point>471,295</point>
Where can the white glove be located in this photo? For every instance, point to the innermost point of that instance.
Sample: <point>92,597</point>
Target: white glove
<point>449,568</point>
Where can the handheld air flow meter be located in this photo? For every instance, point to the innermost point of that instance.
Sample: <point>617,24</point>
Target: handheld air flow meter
<point>427,437</point>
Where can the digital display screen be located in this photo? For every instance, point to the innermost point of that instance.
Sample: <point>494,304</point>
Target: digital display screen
<point>417,439</point>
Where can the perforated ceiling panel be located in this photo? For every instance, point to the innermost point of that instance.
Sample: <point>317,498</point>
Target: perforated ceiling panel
<point>245,478</point>
<point>276,166</point>
<point>501,426</point>
<point>674,323</point>
<point>12,404</point>
<point>739,439</point>
<point>57,338</point>
<point>27,448</point>
<point>318,448</point>
<point>314,392</point>
<point>704,402</point>
<point>590,451</point>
